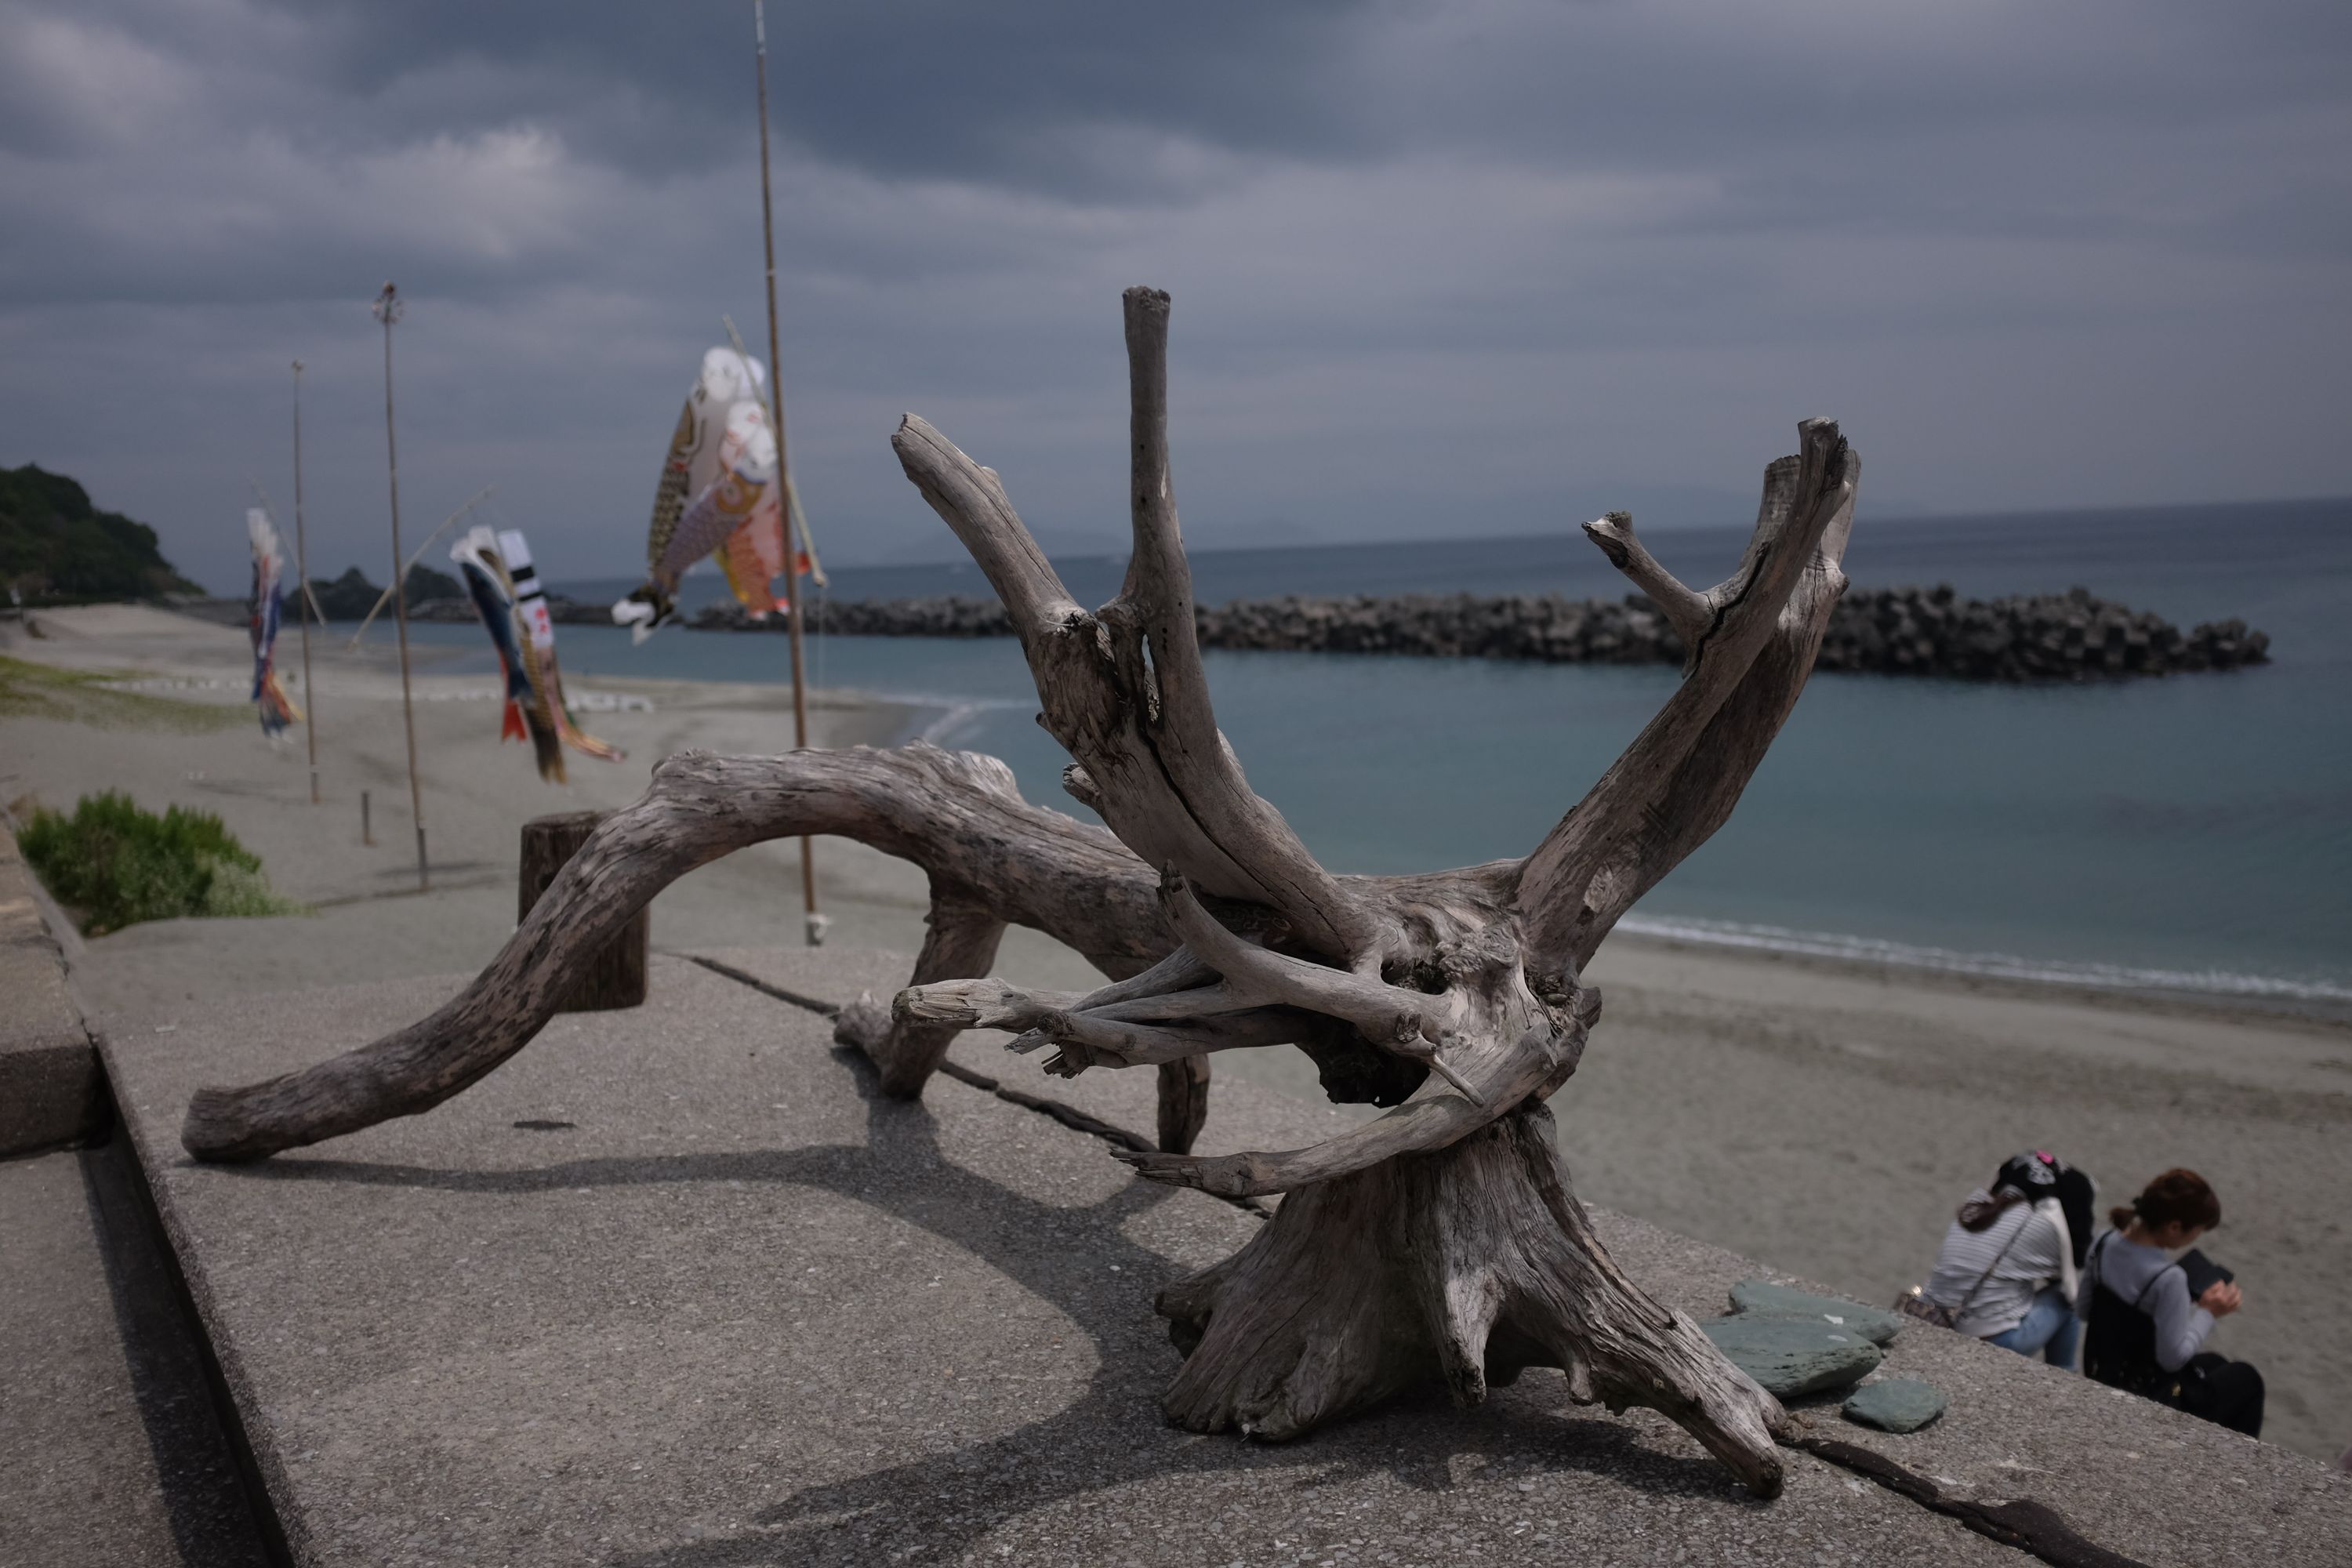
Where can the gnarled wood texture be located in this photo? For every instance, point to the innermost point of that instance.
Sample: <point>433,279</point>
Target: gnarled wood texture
<point>1439,1240</point>
<point>1477,1262</point>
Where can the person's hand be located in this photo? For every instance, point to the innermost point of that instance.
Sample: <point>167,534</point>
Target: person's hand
<point>2220,1299</point>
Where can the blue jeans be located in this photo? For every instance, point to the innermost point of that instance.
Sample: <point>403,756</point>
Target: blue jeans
<point>2050,1326</point>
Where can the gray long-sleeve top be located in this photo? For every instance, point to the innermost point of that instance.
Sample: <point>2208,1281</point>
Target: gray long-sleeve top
<point>2181,1325</point>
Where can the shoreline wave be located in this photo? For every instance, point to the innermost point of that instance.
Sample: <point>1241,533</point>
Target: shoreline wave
<point>946,721</point>
<point>2323,997</point>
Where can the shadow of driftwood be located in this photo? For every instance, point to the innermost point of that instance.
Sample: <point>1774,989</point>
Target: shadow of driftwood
<point>1112,1435</point>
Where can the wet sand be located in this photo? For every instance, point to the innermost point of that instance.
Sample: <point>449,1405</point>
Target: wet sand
<point>1821,1116</point>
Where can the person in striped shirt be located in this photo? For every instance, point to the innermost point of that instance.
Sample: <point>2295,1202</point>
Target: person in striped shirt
<point>2007,1269</point>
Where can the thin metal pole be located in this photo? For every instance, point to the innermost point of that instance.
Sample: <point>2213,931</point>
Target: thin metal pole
<point>813,925</point>
<point>387,310</point>
<point>302,571</point>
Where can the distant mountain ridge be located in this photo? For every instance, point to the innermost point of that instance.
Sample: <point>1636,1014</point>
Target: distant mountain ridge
<point>56,546</point>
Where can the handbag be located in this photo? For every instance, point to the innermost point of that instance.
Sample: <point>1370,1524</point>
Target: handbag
<point>1916,1303</point>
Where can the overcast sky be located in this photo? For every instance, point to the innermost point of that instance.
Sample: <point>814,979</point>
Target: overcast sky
<point>1487,266</point>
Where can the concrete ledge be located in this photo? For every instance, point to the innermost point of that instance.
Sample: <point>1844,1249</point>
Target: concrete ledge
<point>676,1287</point>
<point>110,1451</point>
<point>51,1091</point>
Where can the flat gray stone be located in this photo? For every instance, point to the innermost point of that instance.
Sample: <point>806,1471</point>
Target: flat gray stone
<point>1895,1404</point>
<point>1794,1356</point>
<point>1763,1299</point>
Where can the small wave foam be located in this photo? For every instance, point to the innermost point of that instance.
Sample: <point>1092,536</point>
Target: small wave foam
<point>1992,966</point>
<point>950,720</point>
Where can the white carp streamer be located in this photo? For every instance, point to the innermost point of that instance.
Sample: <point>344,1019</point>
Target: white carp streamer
<point>718,495</point>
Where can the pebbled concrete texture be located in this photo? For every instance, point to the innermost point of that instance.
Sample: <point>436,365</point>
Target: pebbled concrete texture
<point>51,1091</point>
<point>738,1309</point>
<point>109,1453</point>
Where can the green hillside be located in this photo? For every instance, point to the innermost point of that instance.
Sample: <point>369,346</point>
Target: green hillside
<point>55,545</point>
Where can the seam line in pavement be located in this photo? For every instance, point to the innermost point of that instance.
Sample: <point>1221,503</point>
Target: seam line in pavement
<point>1061,1110</point>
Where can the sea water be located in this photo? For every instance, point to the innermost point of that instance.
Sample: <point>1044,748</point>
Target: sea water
<point>2191,833</point>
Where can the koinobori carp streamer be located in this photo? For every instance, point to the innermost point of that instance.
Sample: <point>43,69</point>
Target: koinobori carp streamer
<point>718,494</point>
<point>504,586</point>
<point>278,709</point>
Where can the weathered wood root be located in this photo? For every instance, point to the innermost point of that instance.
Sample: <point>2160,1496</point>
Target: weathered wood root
<point>956,814</point>
<point>1467,1266</point>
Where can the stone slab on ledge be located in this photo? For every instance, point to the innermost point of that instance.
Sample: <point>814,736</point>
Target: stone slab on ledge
<point>733,1308</point>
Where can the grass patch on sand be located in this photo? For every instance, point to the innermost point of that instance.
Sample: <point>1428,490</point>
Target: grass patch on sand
<point>29,690</point>
<point>112,864</point>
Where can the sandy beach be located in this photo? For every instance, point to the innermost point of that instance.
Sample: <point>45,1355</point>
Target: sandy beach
<point>1825,1118</point>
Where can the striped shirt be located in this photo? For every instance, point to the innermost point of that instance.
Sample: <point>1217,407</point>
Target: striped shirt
<point>2030,1244</point>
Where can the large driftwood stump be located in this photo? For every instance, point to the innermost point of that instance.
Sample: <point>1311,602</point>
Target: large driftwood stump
<point>1438,1242</point>
<point>614,974</point>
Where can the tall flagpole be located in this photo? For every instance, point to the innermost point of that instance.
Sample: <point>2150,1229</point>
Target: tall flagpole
<point>816,922</point>
<point>302,571</point>
<point>387,310</point>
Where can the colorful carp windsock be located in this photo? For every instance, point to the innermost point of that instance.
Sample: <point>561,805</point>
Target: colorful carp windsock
<point>492,591</point>
<point>278,709</point>
<point>717,494</point>
<point>539,654</point>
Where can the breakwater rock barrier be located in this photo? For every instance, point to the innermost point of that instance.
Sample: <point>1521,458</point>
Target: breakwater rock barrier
<point>2073,636</point>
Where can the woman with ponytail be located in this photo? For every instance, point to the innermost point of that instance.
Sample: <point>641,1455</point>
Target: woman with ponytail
<point>2144,1332</point>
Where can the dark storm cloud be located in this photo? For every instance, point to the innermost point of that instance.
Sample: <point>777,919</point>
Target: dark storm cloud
<point>1473,268</point>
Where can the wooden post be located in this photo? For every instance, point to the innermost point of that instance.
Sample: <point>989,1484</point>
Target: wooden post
<point>814,923</point>
<point>388,311</point>
<point>614,976</point>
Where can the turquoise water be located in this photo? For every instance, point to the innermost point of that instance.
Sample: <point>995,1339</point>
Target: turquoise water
<point>2193,832</point>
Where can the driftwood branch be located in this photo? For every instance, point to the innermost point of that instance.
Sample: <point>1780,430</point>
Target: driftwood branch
<point>960,940</point>
<point>956,814</point>
<point>1123,690</point>
<point>1690,612</point>
<point>1440,1240</point>
<point>1678,780</point>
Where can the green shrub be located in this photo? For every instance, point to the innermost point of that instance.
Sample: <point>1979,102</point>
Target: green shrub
<point>114,865</point>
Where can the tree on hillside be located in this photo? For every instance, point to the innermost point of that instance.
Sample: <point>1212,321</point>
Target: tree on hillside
<point>55,545</point>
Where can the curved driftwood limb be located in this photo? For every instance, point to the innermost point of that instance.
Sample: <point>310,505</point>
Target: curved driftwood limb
<point>1678,780</point>
<point>1084,1041</point>
<point>961,937</point>
<point>1688,611</point>
<point>909,1036</point>
<point>1155,605</point>
<point>1123,690</point>
<point>954,812</point>
<point>1467,1265</point>
<point>1183,1103</point>
<point>1388,1015</point>
<point>1542,1059</point>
